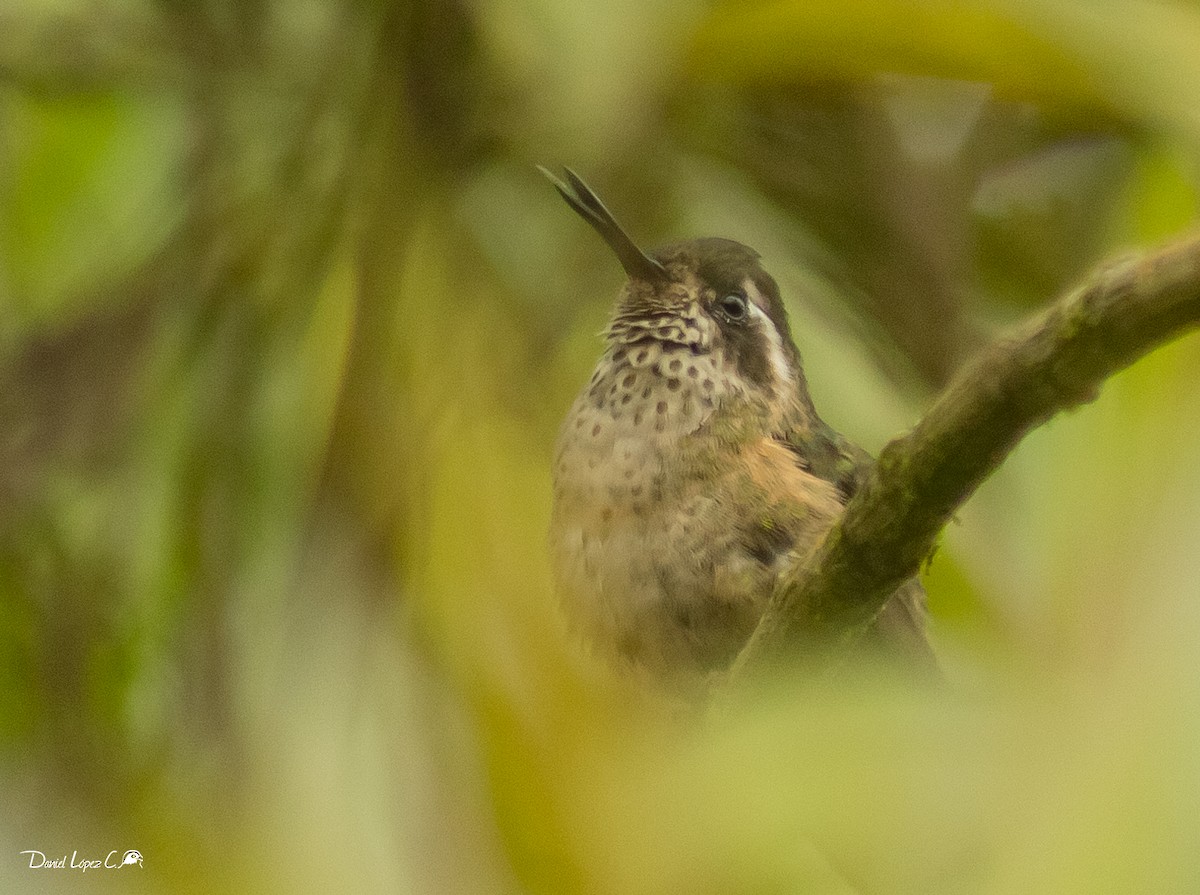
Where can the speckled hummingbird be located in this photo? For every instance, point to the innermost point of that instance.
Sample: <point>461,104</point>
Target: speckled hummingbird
<point>693,469</point>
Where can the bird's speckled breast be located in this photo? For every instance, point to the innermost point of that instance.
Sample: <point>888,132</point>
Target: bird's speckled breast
<point>650,505</point>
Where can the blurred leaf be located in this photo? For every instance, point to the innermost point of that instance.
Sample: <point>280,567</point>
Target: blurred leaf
<point>89,190</point>
<point>1135,60</point>
<point>1162,196</point>
<point>1040,220</point>
<point>806,39</point>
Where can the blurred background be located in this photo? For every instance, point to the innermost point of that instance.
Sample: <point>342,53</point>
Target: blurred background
<point>287,323</point>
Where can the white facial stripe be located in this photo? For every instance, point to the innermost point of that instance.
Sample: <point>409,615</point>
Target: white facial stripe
<point>775,353</point>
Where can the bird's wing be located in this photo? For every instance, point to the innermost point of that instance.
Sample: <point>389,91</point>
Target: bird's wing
<point>828,455</point>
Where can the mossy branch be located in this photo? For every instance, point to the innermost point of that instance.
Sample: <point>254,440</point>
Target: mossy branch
<point>1056,361</point>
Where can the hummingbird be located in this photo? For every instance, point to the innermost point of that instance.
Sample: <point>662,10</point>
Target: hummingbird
<point>693,469</point>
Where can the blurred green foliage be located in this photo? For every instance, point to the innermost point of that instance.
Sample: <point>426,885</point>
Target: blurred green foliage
<point>287,322</point>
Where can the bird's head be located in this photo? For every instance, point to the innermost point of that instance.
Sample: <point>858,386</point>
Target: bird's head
<point>710,295</point>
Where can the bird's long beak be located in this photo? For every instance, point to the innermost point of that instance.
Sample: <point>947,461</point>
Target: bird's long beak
<point>638,265</point>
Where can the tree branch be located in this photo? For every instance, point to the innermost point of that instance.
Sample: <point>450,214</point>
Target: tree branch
<point>1058,360</point>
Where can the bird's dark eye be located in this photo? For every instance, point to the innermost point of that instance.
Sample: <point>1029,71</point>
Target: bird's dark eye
<point>734,306</point>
